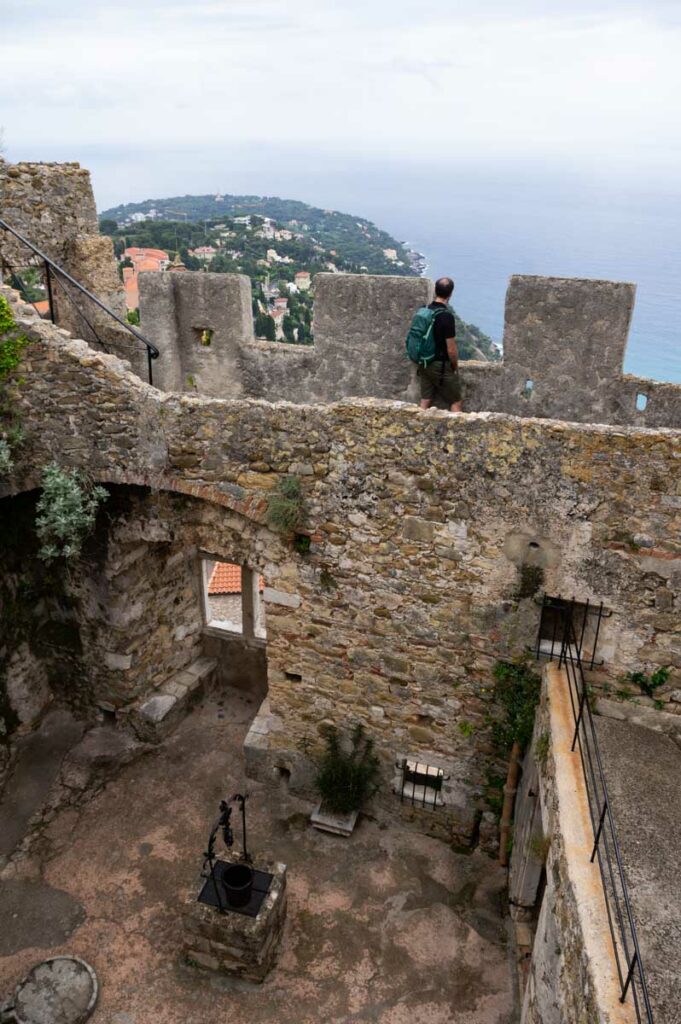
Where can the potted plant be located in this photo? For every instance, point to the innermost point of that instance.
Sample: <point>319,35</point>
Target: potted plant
<point>348,774</point>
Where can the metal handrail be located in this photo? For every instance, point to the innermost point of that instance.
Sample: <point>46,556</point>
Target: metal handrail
<point>606,846</point>
<point>60,273</point>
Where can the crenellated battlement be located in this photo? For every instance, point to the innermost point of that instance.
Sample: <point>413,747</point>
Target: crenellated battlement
<point>564,346</point>
<point>564,339</point>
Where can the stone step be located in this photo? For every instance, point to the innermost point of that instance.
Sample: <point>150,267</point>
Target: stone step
<point>154,716</point>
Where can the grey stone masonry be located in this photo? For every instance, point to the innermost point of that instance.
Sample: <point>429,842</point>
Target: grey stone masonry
<point>564,345</point>
<point>234,943</point>
<point>53,206</point>
<point>199,322</point>
<point>564,338</point>
<point>154,717</point>
<point>360,325</point>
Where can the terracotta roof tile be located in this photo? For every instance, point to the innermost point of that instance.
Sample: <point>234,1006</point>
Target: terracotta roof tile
<point>226,579</point>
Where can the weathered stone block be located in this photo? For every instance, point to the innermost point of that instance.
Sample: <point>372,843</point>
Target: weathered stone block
<point>281,597</point>
<point>418,529</point>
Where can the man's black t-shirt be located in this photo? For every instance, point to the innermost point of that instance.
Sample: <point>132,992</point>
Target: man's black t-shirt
<point>444,327</point>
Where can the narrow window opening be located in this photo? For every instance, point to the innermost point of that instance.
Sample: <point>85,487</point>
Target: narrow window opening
<point>533,544</point>
<point>641,402</point>
<point>587,623</point>
<point>528,389</point>
<point>205,335</point>
<point>232,596</point>
<point>293,677</point>
<point>421,784</point>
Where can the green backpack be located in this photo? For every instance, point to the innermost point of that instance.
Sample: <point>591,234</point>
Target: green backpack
<point>420,339</point>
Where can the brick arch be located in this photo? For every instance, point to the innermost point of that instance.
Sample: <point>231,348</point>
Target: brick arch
<point>163,581</point>
<point>253,507</point>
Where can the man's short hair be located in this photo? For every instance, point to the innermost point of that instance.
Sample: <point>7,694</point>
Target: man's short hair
<point>444,287</point>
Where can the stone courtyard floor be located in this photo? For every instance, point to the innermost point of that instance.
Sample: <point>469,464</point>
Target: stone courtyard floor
<point>388,927</point>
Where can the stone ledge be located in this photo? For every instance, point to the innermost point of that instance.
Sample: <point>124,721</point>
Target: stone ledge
<point>637,714</point>
<point>257,642</point>
<point>154,717</point>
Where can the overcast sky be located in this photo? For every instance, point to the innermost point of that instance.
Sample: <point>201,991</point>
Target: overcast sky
<point>593,84</point>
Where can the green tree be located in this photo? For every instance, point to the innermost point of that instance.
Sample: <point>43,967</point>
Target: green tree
<point>289,327</point>
<point>264,327</point>
<point>107,226</point>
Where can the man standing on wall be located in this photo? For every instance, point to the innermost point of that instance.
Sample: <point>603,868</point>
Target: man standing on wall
<point>440,378</point>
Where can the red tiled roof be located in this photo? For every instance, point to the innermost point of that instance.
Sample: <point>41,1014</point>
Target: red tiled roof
<point>155,254</point>
<point>226,579</point>
<point>132,295</point>
<point>147,264</point>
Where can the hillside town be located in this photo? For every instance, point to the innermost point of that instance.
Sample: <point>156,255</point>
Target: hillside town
<point>282,295</point>
<point>280,254</point>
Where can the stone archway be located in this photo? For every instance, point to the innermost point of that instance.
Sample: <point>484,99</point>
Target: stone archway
<point>132,607</point>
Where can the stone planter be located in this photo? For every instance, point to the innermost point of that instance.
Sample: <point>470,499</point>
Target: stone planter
<point>329,821</point>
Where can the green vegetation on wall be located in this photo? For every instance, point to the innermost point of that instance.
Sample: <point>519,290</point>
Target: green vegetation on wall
<point>648,684</point>
<point>12,345</point>
<point>517,689</point>
<point>66,512</point>
<point>285,506</point>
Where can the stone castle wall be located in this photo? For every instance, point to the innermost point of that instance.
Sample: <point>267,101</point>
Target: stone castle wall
<point>564,347</point>
<point>359,338</point>
<point>53,206</point>
<point>564,339</point>
<point>572,973</point>
<point>423,528</point>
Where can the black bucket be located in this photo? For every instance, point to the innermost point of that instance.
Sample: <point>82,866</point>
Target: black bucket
<point>237,880</point>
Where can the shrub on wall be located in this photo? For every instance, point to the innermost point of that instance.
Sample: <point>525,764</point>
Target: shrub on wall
<point>285,507</point>
<point>12,345</point>
<point>517,691</point>
<point>66,512</point>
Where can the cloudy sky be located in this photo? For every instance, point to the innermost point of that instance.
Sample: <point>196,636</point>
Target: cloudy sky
<point>581,84</point>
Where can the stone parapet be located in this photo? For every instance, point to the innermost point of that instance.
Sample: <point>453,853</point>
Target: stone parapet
<point>573,973</point>
<point>565,340</point>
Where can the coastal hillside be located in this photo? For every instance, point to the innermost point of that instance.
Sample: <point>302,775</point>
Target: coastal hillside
<point>280,244</point>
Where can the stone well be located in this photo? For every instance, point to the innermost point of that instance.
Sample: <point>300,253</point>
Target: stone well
<point>233,941</point>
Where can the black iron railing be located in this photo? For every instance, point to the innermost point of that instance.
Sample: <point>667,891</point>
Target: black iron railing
<point>56,276</point>
<point>606,847</point>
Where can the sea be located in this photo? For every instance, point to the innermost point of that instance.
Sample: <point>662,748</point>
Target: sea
<point>486,229</point>
<point>478,222</point>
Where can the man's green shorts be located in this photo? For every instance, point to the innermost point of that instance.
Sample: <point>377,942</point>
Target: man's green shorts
<point>440,381</point>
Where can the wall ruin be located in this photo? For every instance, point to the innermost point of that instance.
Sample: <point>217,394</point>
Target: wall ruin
<point>422,526</point>
<point>564,339</point>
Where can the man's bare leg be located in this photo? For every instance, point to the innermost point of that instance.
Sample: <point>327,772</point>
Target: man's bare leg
<point>456,407</point>
<point>426,403</point>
